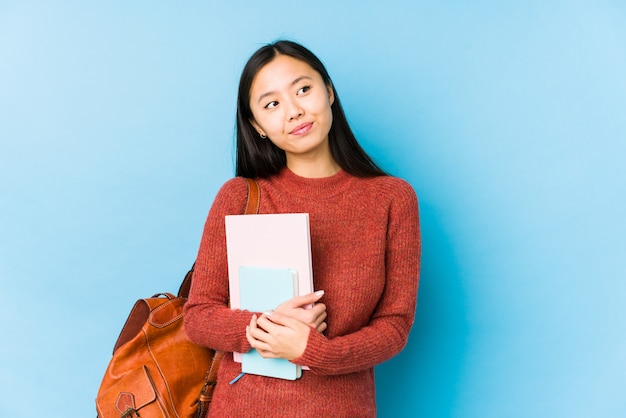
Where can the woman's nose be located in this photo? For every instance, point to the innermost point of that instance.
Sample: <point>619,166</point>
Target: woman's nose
<point>294,110</point>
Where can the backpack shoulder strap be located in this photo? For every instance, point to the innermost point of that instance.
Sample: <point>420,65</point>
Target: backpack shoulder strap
<point>254,197</point>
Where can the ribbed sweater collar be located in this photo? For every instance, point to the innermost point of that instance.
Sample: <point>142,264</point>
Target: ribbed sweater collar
<point>319,188</point>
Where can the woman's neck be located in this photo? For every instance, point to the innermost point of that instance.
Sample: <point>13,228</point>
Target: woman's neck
<point>313,169</point>
<point>315,165</point>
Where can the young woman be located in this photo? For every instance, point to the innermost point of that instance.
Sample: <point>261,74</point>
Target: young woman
<point>293,137</point>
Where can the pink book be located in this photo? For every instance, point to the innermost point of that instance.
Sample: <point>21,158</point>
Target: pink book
<point>268,240</point>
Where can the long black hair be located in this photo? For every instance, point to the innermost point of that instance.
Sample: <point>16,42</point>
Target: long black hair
<point>261,158</point>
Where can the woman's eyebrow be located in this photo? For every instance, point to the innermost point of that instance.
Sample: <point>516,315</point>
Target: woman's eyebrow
<point>293,83</point>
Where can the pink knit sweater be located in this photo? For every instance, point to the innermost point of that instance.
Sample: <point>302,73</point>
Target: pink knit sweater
<point>365,241</point>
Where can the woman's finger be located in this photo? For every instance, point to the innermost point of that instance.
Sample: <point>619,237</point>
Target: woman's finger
<point>256,339</point>
<point>305,300</point>
<point>321,327</point>
<point>272,319</point>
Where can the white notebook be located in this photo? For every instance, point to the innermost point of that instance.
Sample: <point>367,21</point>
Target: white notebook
<point>268,240</point>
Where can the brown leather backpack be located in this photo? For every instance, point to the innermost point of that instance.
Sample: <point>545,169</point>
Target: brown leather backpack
<point>156,371</point>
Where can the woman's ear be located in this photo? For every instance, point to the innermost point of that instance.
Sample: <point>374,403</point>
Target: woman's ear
<point>257,127</point>
<point>331,94</point>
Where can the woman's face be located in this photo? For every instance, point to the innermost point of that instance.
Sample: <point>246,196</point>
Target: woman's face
<point>291,106</point>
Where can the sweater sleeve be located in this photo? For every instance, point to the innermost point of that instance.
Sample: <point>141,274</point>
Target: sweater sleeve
<point>387,331</point>
<point>208,319</point>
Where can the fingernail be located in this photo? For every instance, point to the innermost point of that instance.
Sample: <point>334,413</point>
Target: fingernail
<point>268,313</point>
<point>319,293</point>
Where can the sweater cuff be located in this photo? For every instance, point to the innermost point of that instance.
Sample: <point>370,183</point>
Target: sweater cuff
<point>313,353</point>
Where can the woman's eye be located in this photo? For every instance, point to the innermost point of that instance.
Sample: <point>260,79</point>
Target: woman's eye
<point>271,105</point>
<point>304,89</point>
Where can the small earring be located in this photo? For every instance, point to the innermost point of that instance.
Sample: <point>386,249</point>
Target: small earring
<point>263,136</point>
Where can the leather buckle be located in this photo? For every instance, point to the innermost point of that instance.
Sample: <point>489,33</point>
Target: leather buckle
<point>129,413</point>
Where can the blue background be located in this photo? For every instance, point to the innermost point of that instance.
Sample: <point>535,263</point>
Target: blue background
<point>508,118</point>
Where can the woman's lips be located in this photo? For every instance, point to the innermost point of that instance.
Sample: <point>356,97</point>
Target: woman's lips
<point>302,129</point>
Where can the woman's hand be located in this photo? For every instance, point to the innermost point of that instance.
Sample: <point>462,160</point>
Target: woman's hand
<point>306,310</point>
<point>275,335</point>
<point>284,332</point>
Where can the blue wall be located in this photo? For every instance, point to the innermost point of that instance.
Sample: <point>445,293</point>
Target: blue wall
<point>116,126</point>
